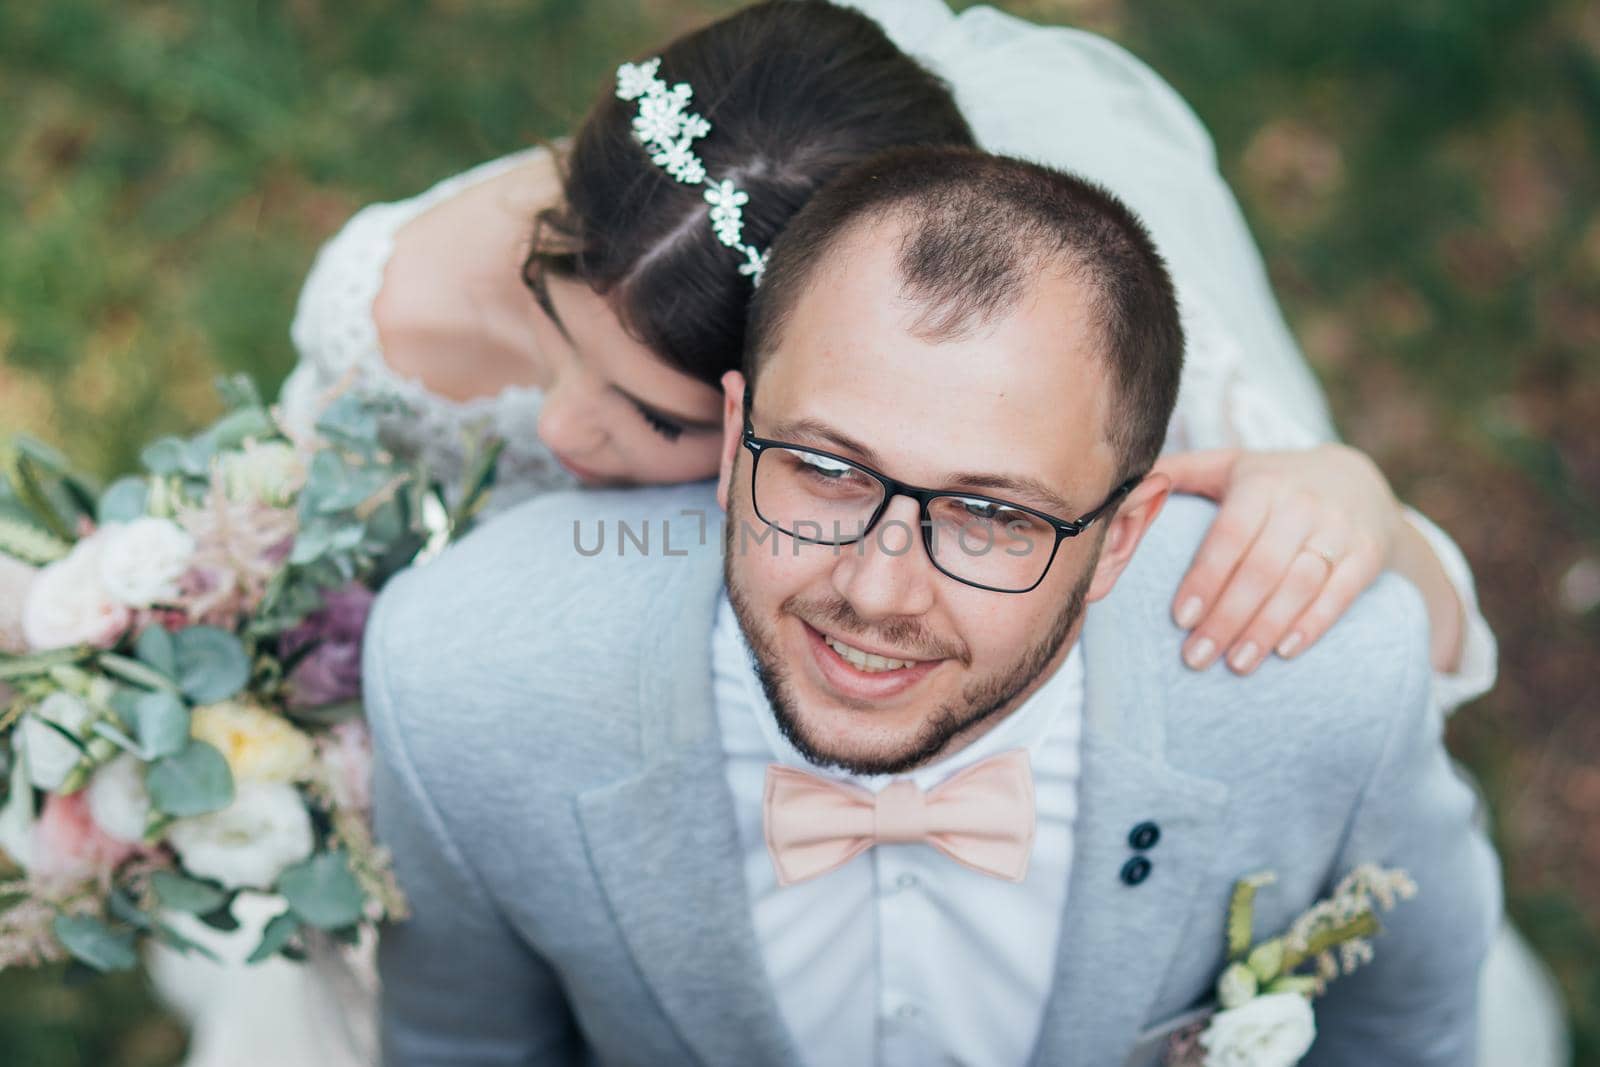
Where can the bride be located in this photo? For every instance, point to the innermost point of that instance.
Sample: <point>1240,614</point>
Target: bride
<point>578,303</point>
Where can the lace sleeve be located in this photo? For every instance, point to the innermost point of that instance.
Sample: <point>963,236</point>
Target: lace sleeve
<point>1221,406</point>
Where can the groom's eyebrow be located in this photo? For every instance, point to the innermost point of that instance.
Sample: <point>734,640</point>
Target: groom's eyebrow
<point>1019,488</point>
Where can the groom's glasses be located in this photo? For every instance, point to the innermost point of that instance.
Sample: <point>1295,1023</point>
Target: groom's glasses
<point>824,499</point>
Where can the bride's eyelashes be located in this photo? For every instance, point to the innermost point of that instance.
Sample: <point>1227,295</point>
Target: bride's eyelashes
<point>665,427</point>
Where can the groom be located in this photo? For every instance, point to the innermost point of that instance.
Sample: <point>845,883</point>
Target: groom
<point>901,765</point>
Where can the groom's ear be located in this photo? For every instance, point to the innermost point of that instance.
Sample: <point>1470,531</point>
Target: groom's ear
<point>1126,529</point>
<point>733,385</point>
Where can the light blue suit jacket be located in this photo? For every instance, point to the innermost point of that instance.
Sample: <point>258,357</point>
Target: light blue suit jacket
<point>550,780</point>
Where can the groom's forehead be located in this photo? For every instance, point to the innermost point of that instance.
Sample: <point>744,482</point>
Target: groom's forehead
<point>1011,398</point>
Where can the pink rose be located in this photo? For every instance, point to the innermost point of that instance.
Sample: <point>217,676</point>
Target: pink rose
<point>68,846</point>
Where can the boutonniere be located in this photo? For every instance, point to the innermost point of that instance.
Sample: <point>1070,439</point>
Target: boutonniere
<point>1263,1016</point>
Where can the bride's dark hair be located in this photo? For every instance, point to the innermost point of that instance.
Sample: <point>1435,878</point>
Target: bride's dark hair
<point>795,91</point>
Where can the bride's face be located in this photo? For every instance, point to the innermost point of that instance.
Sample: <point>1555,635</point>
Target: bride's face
<point>613,412</point>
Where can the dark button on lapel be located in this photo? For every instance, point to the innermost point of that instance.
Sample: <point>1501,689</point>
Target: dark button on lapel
<point>1144,836</point>
<point>1135,870</point>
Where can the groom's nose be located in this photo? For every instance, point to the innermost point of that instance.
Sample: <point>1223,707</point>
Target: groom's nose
<point>888,573</point>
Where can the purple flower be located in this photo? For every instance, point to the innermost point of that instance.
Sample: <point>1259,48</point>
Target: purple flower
<point>331,671</point>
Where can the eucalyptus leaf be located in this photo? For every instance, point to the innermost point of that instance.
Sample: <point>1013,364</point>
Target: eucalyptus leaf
<point>31,491</point>
<point>124,501</point>
<point>121,906</point>
<point>162,723</point>
<point>195,781</point>
<point>221,919</point>
<point>185,894</point>
<point>234,428</point>
<point>118,738</point>
<point>326,714</point>
<point>156,650</point>
<point>47,456</point>
<point>164,455</point>
<point>274,936</point>
<point>311,543</point>
<point>350,418</point>
<point>125,701</point>
<point>211,663</point>
<point>238,391</point>
<point>172,939</point>
<point>322,891</point>
<point>95,943</point>
<point>38,664</point>
<point>131,670</point>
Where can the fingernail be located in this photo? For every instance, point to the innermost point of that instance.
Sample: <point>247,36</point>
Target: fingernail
<point>1290,645</point>
<point>1244,657</point>
<point>1198,655</point>
<point>1189,612</point>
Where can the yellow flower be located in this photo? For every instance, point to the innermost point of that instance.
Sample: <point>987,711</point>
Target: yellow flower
<point>258,745</point>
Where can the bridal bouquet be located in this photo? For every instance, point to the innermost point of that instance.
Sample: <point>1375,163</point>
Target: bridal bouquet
<point>180,715</point>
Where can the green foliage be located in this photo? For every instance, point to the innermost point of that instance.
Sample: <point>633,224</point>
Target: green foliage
<point>194,781</point>
<point>211,663</point>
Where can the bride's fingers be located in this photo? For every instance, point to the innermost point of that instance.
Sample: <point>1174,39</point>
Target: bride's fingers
<point>1232,533</point>
<point>1349,579</point>
<point>1204,473</point>
<point>1308,575</point>
<point>1261,571</point>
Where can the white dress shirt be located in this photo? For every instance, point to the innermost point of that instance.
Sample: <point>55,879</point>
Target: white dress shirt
<point>903,955</point>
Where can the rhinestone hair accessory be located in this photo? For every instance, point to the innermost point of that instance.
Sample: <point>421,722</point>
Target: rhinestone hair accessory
<point>668,130</point>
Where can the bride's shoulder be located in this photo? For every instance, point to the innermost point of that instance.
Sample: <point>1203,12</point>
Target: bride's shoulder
<point>393,255</point>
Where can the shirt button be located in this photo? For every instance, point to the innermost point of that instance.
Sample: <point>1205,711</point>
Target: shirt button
<point>906,881</point>
<point>1144,836</point>
<point>1135,870</point>
<point>908,1012</point>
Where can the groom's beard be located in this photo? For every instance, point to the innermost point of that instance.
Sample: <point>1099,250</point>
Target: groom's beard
<point>981,699</point>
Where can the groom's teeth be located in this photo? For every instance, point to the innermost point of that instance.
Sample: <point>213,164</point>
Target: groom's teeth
<point>866,661</point>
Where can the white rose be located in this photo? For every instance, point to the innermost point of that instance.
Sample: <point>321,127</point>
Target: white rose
<point>249,843</point>
<point>268,474</point>
<point>69,604</point>
<point>1273,1030</point>
<point>143,560</point>
<point>118,802</point>
<point>50,756</point>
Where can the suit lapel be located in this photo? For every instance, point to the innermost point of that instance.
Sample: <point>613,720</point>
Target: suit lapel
<point>665,847</point>
<point>1118,941</point>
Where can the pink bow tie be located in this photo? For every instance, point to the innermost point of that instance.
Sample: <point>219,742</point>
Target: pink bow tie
<point>981,817</point>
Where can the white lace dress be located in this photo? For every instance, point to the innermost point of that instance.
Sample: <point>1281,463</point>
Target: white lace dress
<point>1062,96</point>
<point>337,339</point>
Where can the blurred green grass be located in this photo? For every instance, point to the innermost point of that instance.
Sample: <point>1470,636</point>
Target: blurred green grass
<point>1422,178</point>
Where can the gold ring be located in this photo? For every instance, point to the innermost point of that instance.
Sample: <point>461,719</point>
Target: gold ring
<point>1323,554</point>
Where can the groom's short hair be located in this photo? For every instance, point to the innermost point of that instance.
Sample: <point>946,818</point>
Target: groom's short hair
<point>976,229</point>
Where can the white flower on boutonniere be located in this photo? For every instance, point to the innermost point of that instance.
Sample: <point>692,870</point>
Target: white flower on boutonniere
<point>1265,1017</point>
<point>142,560</point>
<point>1272,1030</point>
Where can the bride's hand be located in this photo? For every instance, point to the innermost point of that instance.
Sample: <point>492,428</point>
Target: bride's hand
<point>1297,538</point>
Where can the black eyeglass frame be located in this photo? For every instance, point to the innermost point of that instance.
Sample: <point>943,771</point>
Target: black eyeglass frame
<point>893,487</point>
